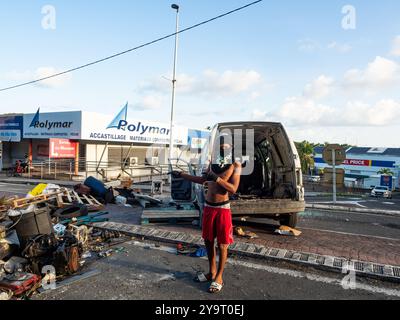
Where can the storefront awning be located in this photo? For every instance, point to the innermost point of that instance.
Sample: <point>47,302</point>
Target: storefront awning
<point>356,176</point>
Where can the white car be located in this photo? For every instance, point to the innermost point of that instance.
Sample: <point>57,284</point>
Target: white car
<point>315,179</point>
<point>381,191</point>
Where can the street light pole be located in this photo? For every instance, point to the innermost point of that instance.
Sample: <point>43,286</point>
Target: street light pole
<point>171,141</point>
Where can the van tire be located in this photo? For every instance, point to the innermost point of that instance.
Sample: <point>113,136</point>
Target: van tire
<point>289,220</point>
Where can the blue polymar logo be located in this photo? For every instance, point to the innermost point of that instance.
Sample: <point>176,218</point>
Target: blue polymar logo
<point>120,122</point>
<point>121,116</point>
<point>35,119</point>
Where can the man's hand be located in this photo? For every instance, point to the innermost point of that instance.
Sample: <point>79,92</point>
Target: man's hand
<point>176,174</point>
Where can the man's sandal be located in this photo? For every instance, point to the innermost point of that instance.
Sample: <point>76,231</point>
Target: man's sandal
<point>215,287</point>
<point>201,277</point>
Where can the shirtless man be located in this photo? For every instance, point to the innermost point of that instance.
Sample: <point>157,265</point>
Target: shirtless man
<point>222,179</point>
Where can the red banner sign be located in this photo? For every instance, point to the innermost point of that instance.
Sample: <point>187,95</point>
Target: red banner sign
<point>354,162</point>
<point>62,149</point>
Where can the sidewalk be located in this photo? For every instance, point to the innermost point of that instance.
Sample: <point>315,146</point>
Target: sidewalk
<point>18,180</point>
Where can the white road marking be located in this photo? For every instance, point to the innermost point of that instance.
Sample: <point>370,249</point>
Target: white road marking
<point>388,203</point>
<point>351,234</point>
<point>349,212</point>
<point>356,203</point>
<point>287,272</point>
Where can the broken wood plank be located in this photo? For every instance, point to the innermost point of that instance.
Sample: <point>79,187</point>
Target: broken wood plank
<point>87,199</point>
<point>77,197</point>
<point>95,200</point>
<point>68,194</point>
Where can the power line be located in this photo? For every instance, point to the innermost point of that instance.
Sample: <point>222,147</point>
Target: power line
<point>132,49</point>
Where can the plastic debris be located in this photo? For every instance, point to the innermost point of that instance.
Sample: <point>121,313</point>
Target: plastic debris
<point>86,255</point>
<point>245,234</point>
<point>119,200</point>
<point>200,252</point>
<point>59,229</point>
<point>287,231</point>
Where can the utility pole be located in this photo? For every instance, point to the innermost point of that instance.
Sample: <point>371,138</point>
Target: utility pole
<point>334,174</point>
<point>171,138</point>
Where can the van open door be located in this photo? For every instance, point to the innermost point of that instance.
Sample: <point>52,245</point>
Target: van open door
<point>182,191</point>
<point>183,206</point>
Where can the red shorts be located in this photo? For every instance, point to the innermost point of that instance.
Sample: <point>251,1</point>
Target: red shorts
<point>217,223</point>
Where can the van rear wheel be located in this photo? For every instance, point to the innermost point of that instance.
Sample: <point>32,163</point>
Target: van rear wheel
<point>289,220</point>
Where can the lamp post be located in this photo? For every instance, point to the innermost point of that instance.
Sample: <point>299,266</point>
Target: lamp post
<point>171,141</point>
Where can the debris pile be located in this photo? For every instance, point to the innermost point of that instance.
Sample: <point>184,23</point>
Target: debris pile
<point>49,234</point>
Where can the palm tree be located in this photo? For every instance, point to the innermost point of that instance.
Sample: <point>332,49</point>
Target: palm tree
<point>386,172</point>
<point>306,153</point>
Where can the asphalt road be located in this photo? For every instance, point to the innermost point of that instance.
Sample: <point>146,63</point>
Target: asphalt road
<point>360,202</point>
<point>14,189</point>
<point>146,272</point>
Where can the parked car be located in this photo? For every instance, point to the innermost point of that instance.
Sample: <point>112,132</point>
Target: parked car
<point>381,191</point>
<point>315,179</point>
<point>274,188</point>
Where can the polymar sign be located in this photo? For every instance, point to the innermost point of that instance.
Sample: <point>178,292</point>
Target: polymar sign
<point>121,129</point>
<point>66,125</point>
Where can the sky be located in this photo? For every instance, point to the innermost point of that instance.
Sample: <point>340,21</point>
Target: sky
<point>328,70</point>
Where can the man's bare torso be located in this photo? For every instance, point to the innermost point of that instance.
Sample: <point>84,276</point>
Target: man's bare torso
<point>216,193</point>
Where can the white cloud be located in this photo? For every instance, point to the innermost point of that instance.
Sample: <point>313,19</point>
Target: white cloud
<point>380,73</point>
<point>396,47</point>
<point>41,72</point>
<point>302,112</point>
<point>311,46</point>
<point>340,47</point>
<point>149,102</point>
<point>227,83</point>
<point>319,88</point>
<point>210,83</point>
<point>258,114</point>
<point>308,45</point>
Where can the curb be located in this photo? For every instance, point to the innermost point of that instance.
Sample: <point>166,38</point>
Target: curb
<point>392,213</point>
<point>329,263</point>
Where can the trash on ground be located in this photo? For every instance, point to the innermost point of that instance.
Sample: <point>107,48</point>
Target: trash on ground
<point>185,249</point>
<point>287,231</point>
<point>51,226</point>
<point>200,252</point>
<point>191,250</point>
<point>120,200</point>
<point>245,234</point>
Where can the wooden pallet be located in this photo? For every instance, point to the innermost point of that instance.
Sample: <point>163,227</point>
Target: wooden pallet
<point>25,202</point>
<point>70,196</point>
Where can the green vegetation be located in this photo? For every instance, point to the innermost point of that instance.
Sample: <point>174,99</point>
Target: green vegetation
<point>386,171</point>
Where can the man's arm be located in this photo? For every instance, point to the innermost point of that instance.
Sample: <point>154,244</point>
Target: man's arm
<point>194,179</point>
<point>233,184</point>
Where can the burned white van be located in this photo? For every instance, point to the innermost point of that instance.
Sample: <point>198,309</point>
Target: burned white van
<point>271,183</point>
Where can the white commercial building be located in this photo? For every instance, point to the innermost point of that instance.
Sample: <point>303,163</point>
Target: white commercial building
<point>363,165</point>
<point>87,139</point>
